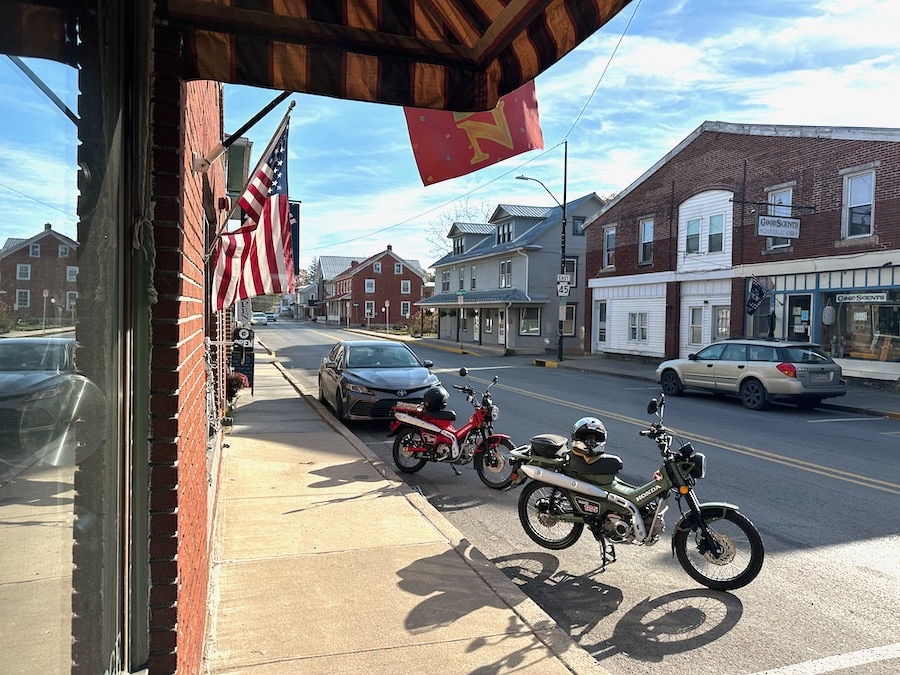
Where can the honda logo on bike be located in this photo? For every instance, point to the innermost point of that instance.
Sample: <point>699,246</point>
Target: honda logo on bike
<point>402,392</point>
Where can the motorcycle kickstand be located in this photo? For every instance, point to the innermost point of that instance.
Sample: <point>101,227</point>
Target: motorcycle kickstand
<point>455,470</point>
<point>607,551</point>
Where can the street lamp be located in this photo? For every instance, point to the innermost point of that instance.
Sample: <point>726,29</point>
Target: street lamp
<point>562,243</point>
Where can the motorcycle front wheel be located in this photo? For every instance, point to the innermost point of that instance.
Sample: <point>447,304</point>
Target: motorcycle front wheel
<point>542,508</point>
<point>407,460</point>
<point>495,466</point>
<point>737,561</point>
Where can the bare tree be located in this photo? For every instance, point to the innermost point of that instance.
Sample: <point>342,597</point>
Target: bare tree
<point>465,210</point>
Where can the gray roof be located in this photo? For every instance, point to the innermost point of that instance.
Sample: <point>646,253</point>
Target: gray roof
<point>517,211</point>
<point>332,265</point>
<point>500,296</point>
<point>551,218</point>
<point>471,228</point>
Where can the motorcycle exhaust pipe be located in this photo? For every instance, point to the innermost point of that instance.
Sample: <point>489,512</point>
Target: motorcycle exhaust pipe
<point>560,480</point>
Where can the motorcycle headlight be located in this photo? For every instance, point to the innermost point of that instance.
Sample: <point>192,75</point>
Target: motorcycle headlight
<point>699,469</point>
<point>495,412</point>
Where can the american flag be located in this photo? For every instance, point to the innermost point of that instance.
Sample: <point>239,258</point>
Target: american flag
<point>257,259</point>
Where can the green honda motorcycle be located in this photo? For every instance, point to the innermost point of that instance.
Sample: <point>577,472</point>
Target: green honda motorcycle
<point>571,487</point>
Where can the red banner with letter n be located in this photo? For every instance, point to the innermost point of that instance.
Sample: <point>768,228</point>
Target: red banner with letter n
<point>448,145</point>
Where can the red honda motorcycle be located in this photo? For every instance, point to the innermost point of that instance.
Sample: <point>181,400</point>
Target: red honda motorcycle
<point>425,433</point>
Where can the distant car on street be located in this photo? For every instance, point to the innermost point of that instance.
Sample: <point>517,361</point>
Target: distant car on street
<point>270,317</point>
<point>363,379</point>
<point>258,319</point>
<point>759,371</point>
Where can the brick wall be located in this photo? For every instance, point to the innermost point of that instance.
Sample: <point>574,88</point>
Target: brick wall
<point>387,288</point>
<point>186,120</point>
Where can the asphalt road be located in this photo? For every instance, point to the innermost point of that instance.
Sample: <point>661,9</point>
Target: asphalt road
<point>823,487</point>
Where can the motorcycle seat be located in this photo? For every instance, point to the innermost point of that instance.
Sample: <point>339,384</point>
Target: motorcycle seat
<point>594,465</point>
<point>548,445</point>
<point>442,415</point>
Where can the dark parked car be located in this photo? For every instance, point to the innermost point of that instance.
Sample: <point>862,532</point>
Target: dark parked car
<point>48,410</point>
<point>363,379</point>
<point>759,370</point>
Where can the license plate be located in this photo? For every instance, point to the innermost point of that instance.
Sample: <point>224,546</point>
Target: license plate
<point>820,377</point>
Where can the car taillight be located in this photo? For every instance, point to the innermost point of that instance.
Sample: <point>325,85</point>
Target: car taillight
<point>788,369</point>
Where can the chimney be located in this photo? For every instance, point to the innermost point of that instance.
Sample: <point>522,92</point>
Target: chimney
<point>353,263</point>
<point>390,248</point>
<point>47,227</point>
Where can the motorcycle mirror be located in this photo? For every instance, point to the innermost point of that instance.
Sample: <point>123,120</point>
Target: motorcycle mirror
<point>463,372</point>
<point>652,407</point>
<point>495,379</point>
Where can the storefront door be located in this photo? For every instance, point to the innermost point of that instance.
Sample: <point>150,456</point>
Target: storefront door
<point>798,319</point>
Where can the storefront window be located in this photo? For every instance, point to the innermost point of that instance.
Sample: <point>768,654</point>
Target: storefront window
<point>863,325</point>
<point>61,440</point>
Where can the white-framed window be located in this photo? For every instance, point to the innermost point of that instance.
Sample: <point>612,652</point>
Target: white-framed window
<point>370,285</point>
<point>721,327</point>
<point>695,336</point>
<point>715,236</point>
<point>71,299</point>
<point>645,254</point>
<point>71,274</point>
<point>398,268</point>
<point>63,251</point>
<point>23,272</point>
<point>34,251</point>
<point>459,246</point>
<point>506,274</point>
<point>370,309</point>
<point>23,298</point>
<point>445,281</point>
<point>569,320</point>
<point>405,286</point>
<point>504,233</point>
<point>637,326</point>
<point>376,267</point>
<point>779,205</point>
<point>578,226</point>
<point>570,267</point>
<point>601,321</point>
<point>692,238</point>
<point>462,279</point>
<point>530,321</point>
<point>859,202</point>
<point>609,246</point>
<point>404,308</point>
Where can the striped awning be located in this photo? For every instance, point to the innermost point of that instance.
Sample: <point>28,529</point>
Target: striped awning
<point>458,55</point>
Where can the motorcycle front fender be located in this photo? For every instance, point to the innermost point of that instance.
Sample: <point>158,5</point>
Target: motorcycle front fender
<point>494,439</point>
<point>707,510</point>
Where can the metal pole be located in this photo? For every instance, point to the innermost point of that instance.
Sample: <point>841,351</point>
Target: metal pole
<point>562,253</point>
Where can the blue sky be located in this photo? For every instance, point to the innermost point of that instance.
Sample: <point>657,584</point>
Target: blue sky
<point>827,63</point>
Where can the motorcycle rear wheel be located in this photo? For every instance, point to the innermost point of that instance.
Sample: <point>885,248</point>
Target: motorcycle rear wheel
<point>494,465</point>
<point>540,508</point>
<point>741,556</point>
<point>405,459</point>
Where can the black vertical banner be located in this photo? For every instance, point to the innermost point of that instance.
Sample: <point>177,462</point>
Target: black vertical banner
<point>294,208</point>
<point>757,293</point>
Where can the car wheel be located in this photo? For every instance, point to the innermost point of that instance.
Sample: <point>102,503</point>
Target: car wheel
<point>339,407</point>
<point>321,392</point>
<point>753,395</point>
<point>671,384</point>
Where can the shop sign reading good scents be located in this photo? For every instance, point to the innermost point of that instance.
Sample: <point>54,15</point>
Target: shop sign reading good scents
<point>777,226</point>
<point>861,297</point>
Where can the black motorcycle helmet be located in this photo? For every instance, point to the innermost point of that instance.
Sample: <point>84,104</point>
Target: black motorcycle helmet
<point>435,398</point>
<point>590,431</point>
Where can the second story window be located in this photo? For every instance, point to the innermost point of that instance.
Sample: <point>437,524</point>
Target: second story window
<point>445,281</point>
<point>609,246</point>
<point>779,205</point>
<point>472,284</point>
<point>504,233</point>
<point>398,268</point>
<point>692,241</point>
<point>405,286</point>
<point>63,251</point>
<point>370,285</point>
<point>462,278</point>
<point>459,246</point>
<point>506,274</point>
<point>716,234</point>
<point>570,267</point>
<point>859,200</point>
<point>578,226</point>
<point>34,251</point>
<point>23,272</point>
<point>645,253</point>
<point>376,267</point>
<point>71,274</point>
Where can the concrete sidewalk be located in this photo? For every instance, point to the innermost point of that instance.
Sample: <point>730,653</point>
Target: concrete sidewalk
<point>325,562</point>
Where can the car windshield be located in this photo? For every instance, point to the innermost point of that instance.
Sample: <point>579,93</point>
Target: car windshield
<point>389,356</point>
<point>41,356</point>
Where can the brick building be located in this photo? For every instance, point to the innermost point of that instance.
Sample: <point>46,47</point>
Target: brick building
<point>48,261</point>
<point>813,214</point>
<point>380,290</point>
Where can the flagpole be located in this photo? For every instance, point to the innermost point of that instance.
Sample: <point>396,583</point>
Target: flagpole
<point>262,158</point>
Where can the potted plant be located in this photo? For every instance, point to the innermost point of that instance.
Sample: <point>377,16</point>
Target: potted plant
<point>234,382</point>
